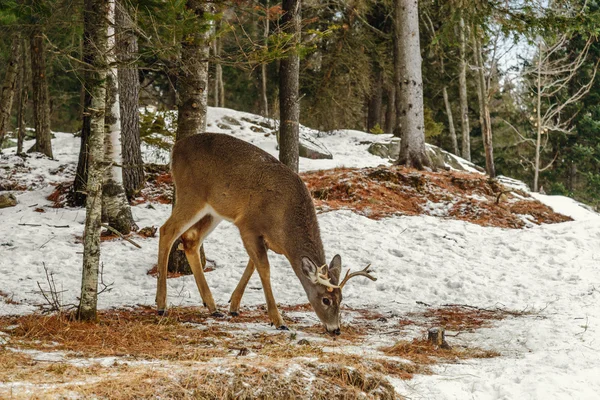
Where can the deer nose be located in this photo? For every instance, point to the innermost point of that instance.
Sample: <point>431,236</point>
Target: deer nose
<point>337,332</point>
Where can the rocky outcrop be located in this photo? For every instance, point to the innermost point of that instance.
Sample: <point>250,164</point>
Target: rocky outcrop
<point>441,159</point>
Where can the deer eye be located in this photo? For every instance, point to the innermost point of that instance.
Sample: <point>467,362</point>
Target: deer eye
<point>326,301</point>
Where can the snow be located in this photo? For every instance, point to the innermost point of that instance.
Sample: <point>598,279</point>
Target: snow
<point>551,270</point>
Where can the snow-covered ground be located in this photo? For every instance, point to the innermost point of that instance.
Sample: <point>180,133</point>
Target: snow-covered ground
<point>552,270</point>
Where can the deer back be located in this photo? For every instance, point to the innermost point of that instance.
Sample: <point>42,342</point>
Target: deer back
<point>249,187</point>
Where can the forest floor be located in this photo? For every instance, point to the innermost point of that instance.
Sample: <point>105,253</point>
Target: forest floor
<point>133,353</point>
<point>512,279</point>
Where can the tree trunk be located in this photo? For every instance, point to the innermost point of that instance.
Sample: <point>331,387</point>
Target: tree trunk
<point>7,92</point>
<point>78,192</point>
<point>219,91</point>
<point>129,92</point>
<point>375,100</point>
<point>24,79</point>
<point>263,68</point>
<point>462,92</point>
<point>216,80</point>
<point>115,208</point>
<point>538,142</point>
<point>289,103</point>
<point>572,179</point>
<point>450,121</point>
<point>390,110</point>
<point>41,101</point>
<point>484,110</point>
<point>96,25</point>
<point>409,85</point>
<point>192,88</point>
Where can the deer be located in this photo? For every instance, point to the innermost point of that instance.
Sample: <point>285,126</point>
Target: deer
<point>219,177</point>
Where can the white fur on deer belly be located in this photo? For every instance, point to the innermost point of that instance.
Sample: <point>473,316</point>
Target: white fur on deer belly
<point>208,210</point>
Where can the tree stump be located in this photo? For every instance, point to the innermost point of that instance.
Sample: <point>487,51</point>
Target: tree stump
<point>437,337</point>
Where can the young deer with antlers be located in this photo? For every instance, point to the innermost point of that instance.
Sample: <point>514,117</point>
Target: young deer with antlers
<point>218,177</point>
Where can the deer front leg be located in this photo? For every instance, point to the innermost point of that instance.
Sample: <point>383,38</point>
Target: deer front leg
<point>179,222</point>
<point>192,240</point>
<point>257,251</point>
<point>236,297</point>
<point>168,234</point>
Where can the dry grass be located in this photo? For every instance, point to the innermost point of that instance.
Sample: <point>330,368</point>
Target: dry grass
<point>423,352</point>
<point>383,191</point>
<point>461,318</point>
<point>244,381</point>
<point>196,358</point>
<point>138,333</point>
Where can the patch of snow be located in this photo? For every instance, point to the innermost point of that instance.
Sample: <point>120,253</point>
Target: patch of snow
<point>567,206</point>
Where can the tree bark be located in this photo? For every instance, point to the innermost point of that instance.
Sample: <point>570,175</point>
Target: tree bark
<point>192,88</point>
<point>219,89</point>
<point>89,54</point>
<point>409,85</point>
<point>375,100</point>
<point>115,207</point>
<point>41,101</point>
<point>289,103</point>
<point>462,92</point>
<point>24,79</point>
<point>538,141</point>
<point>484,110</point>
<point>450,121</point>
<point>129,91</point>
<point>263,68</point>
<point>96,21</point>
<point>390,110</point>
<point>7,92</point>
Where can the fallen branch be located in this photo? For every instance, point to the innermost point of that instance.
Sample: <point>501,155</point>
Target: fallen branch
<point>113,230</point>
<point>30,224</point>
<point>47,241</point>
<point>497,309</point>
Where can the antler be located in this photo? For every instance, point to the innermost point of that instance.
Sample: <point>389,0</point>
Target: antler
<point>323,279</point>
<point>363,272</point>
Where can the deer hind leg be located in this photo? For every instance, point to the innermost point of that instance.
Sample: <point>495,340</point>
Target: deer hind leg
<point>236,297</point>
<point>255,246</point>
<point>192,240</point>
<point>179,222</point>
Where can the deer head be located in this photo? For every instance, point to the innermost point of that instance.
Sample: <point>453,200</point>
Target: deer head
<point>325,293</point>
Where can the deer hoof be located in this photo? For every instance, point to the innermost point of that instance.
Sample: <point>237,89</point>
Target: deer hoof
<point>234,313</point>
<point>161,312</point>
<point>283,328</point>
<point>218,314</point>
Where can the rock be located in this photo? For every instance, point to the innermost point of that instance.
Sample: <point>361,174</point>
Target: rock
<point>255,128</point>
<point>264,123</point>
<point>224,126</point>
<point>389,150</point>
<point>231,120</point>
<point>311,147</point>
<point>441,159</point>
<point>9,143</point>
<point>7,200</point>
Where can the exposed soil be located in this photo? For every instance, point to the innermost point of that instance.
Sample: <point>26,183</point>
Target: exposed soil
<point>379,192</point>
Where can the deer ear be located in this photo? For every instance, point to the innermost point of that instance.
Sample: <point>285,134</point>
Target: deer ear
<point>335,269</point>
<point>309,269</point>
